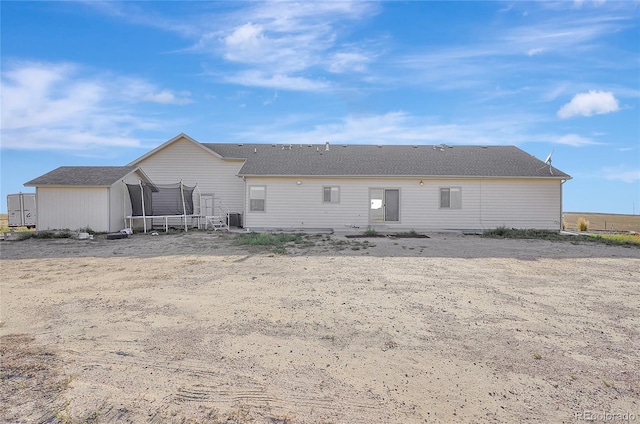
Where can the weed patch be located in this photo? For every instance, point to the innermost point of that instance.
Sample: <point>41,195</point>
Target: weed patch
<point>512,233</point>
<point>628,240</point>
<point>267,239</point>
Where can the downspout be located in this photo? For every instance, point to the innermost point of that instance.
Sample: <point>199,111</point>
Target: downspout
<point>561,214</point>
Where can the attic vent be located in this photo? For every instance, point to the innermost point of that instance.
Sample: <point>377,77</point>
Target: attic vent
<point>273,145</point>
<point>485,147</point>
<point>240,145</point>
<point>379,146</point>
<point>326,146</point>
<point>344,145</point>
<point>415,147</point>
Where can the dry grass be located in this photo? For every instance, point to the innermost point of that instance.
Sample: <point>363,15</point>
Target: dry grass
<point>4,222</point>
<point>583,224</point>
<point>4,225</point>
<point>603,221</point>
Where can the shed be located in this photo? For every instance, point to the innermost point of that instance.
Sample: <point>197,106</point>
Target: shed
<point>74,197</point>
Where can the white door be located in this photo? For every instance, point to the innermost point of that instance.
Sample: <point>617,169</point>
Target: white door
<point>206,205</point>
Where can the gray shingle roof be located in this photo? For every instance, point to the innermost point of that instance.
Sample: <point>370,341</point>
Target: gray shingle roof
<point>386,160</point>
<point>82,176</point>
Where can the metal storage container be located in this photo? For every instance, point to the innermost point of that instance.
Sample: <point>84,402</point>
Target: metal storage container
<point>21,209</point>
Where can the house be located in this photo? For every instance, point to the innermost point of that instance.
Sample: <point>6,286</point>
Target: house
<point>341,187</point>
<point>77,197</point>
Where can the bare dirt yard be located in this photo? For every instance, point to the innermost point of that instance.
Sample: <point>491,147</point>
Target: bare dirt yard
<point>194,328</point>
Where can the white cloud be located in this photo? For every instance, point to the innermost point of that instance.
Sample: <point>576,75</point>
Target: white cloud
<point>59,106</point>
<point>573,140</point>
<point>342,62</point>
<point>587,104</point>
<point>255,78</point>
<point>397,127</point>
<point>279,41</point>
<point>496,57</point>
<point>625,176</point>
<point>534,52</point>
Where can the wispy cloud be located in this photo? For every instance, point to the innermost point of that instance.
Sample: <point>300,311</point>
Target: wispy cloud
<point>60,106</point>
<point>256,78</point>
<point>587,104</point>
<point>279,44</point>
<point>400,127</point>
<point>618,175</point>
<point>521,50</point>
<point>573,140</point>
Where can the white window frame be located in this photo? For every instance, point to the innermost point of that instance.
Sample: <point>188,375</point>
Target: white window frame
<point>455,206</point>
<point>334,190</point>
<point>264,200</point>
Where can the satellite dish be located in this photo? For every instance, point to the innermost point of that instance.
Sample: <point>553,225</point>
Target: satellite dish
<point>547,162</point>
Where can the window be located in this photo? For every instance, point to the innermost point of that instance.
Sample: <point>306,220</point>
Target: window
<point>257,198</point>
<point>451,198</point>
<point>331,194</point>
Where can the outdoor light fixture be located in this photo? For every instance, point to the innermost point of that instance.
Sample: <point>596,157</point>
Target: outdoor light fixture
<point>298,182</point>
<point>421,183</point>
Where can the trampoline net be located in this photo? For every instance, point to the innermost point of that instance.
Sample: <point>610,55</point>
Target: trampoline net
<point>161,199</point>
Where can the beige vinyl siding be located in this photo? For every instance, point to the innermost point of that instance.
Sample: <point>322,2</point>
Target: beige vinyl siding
<point>485,204</point>
<point>185,161</point>
<point>73,208</point>
<point>521,203</point>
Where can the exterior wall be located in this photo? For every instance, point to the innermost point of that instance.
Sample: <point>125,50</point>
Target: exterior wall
<point>521,204</point>
<point>184,161</point>
<point>486,204</point>
<point>73,208</point>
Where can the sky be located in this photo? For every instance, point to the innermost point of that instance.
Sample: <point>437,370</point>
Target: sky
<point>102,83</point>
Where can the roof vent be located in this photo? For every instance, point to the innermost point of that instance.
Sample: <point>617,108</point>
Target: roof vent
<point>255,150</point>
<point>239,145</point>
<point>326,146</point>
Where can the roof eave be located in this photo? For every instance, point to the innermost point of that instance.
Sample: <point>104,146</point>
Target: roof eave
<point>552,177</point>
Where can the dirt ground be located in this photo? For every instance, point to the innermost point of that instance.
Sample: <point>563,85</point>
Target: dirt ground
<point>193,328</point>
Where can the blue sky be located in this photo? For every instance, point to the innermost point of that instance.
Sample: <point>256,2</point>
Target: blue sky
<point>101,83</point>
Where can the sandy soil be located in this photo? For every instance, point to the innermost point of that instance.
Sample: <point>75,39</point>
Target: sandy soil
<point>192,328</point>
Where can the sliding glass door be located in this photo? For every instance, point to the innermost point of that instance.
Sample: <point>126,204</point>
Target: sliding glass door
<point>384,205</point>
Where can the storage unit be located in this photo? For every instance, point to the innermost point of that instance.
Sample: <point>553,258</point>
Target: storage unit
<point>21,209</point>
<point>85,197</point>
